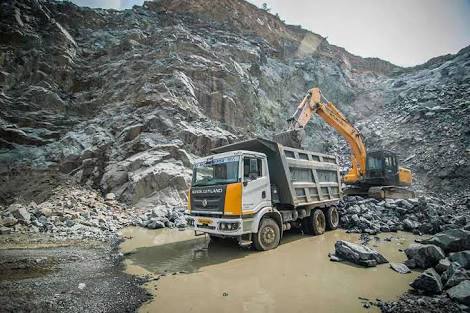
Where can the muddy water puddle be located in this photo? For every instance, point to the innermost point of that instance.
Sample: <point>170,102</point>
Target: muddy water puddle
<point>295,277</point>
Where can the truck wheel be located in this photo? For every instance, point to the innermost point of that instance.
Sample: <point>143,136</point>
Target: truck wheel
<point>332,218</point>
<point>315,223</point>
<point>268,235</point>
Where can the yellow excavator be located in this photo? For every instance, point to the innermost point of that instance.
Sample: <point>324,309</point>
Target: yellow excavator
<point>375,174</point>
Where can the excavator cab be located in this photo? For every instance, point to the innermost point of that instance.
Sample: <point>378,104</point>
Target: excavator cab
<point>381,168</point>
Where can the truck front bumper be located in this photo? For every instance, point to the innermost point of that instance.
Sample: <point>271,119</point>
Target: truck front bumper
<point>224,227</point>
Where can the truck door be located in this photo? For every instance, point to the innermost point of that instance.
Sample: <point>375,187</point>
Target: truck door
<point>256,193</point>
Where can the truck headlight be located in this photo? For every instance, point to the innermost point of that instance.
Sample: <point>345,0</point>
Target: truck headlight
<point>229,226</point>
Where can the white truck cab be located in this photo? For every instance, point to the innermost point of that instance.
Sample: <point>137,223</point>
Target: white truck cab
<point>232,194</point>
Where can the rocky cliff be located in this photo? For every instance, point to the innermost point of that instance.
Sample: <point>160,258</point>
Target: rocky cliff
<point>123,101</point>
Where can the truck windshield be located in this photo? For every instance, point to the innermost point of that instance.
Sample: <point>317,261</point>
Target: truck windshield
<point>216,171</point>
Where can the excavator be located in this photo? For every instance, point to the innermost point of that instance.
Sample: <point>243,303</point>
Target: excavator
<point>375,174</point>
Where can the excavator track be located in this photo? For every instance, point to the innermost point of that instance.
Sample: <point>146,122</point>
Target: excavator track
<point>379,192</point>
<point>390,192</point>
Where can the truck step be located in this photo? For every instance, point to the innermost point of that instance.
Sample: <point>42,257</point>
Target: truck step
<point>245,243</point>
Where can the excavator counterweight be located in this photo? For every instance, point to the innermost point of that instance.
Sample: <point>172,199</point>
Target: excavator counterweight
<point>375,173</point>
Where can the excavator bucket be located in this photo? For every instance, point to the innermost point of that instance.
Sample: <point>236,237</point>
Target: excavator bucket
<point>291,138</point>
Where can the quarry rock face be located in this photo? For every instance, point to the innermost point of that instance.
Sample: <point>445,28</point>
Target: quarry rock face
<point>122,101</point>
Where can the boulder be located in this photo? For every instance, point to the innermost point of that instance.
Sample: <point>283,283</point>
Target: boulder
<point>9,221</point>
<point>334,258</point>
<point>463,258</point>
<point>461,292</point>
<point>428,282</point>
<point>453,267</point>
<point>425,256</point>
<point>410,225</point>
<point>452,240</point>
<point>442,266</point>
<point>358,254</point>
<point>155,224</point>
<point>400,268</point>
<point>457,277</point>
<point>5,230</point>
<point>20,213</point>
<point>45,211</point>
<point>110,196</point>
<point>410,263</point>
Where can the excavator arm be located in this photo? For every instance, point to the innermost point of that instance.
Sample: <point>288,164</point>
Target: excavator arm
<point>312,103</point>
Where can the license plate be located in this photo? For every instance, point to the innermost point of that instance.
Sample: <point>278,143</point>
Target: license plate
<point>206,221</point>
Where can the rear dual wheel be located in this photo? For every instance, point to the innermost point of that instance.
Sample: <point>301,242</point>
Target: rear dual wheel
<point>332,218</point>
<point>315,224</point>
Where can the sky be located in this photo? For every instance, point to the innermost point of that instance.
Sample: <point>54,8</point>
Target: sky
<point>404,32</point>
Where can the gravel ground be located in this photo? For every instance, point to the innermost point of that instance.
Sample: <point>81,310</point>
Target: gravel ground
<point>414,303</point>
<point>83,277</point>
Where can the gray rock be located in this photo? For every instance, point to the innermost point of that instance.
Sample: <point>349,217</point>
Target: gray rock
<point>410,225</point>
<point>46,212</point>
<point>452,240</point>
<point>463,258</point>
<point>9,221</point>
<point>43,220</point>
<point>457,276</point>
<point>334,258</point>
<point>429,282</point>
<point>424,255</point>
<point>410,263</point>
<point>442,266</point>
<point>20,213</point>
<point>131,132</point>
<point>110,196</point>
<point>453,267</point>
<point>358,254</point>
<point>155,224</point>
<point>5,230</point>
<point>400,268</point>
<point>461,292</point>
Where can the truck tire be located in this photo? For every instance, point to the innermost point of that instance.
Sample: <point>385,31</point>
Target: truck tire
<point>314,224</point>
<point>332,218</point>
<point>268,235</point>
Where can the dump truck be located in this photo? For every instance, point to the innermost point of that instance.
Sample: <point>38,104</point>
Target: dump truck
<point>254,190</point>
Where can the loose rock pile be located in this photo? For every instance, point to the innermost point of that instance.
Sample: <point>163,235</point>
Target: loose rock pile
<point>74,212</point>
<point>446,260</point>
<point>155,218</point>
<point>424,215</point>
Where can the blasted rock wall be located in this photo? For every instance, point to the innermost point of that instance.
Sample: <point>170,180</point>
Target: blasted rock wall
<point>123,101</point>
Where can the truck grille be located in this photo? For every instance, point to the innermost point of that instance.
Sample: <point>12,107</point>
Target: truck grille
<point>208,199</point>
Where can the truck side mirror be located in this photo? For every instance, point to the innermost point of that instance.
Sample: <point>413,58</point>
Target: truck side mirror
<point>245,183</point>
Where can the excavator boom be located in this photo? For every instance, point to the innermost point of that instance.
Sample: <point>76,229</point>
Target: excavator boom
<point>384,177</point>
<point>312,103</point>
